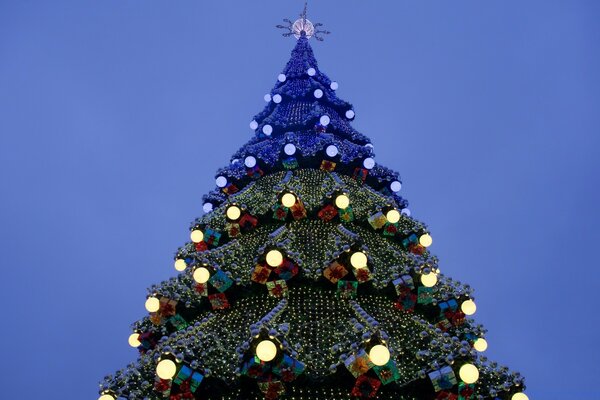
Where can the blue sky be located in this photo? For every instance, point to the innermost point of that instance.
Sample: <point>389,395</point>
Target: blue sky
<point>114,116</point>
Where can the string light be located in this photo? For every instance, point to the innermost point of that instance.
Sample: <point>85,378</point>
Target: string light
<point>166,368</point>
<point>358,260</point>
<point>468,373</point>
<point>180,264</point>
<point>274,258</point>
<point>288,200</point>
<point>197,236</point>
<point>425,240</point>
<point>429,280</point>
<point>480,344</point>
<point>233,212</point>
<point>152,304</point>
<point>379,355</point>
<point>468,307</point>
<point>201,275</point>
<point>134,340</point>
<point>393,216</point>
<point>342,201</point>
<point>266,350</point>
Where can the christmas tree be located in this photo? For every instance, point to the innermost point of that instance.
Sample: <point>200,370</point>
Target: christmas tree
<point>307,278</point>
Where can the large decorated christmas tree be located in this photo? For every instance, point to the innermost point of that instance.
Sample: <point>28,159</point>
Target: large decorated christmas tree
<point>307,277</point>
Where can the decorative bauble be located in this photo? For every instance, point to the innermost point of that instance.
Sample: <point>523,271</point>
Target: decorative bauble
<point>358,260</point>
<point>106,396</point>
<point>468,373</point>
<point>253,125</point>
<point>266,350</point>
<point>207,207</point>
<point>429,280</point>
<point>395,186</point>
<point>519,396</point>
<point>405,211</point>
<point>318,93</point>
<point>368,163</point>
<point>289,149</point>
<point>324,120</point>
<point>221,181</point>
<point>134,340</point>
<point>277,99</point>
<point>201,275</point>
<point>393,216</point>
<point>180,264</point>
<point>281,77</point>
<point>425,240</point>
<point>480,344</point>
<point>267,97</point>
<point>342,201</point>
<point>233,212</point>
<point>267,130</point>
<point>350,114</point>
<point>166,369</point>
<point>274,258</point>
<point>311,71</point>
<point>288,200</point>
<point>152,304</point>
<point>468,307</point>
<point>379,355</point>
<point>334,85</point>
<point>196,236</point>
<point>250,161</point>
<point>331,150</point>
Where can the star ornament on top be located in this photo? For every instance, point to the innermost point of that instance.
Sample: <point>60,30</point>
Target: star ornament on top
<point>303,26</point>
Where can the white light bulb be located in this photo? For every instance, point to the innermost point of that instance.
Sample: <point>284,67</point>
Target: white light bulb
<point>318,93</point>
<point>519,396</point>
<point>393,216</point>
<point>429,280</point>
<point>331,150</point>
<point>207,207</point>
<point>277,99</point>
<point>349,114</point>
<point>468,373</point>
<point>368,163</point>
<point>468,307</point>
<point>425,240</point>
<point>281,78</point>
<point>267,97</point>
<point>267,130</point>
<point>166,369</point>
<point>289,149</point>
<point>324,120</point>
<point>253,125</point>
<point>266,350</point>
<point>311,71</point>
<point>180,264</point>
<point>379,355</point>
<point>274,258</point>
<point>233,212</point>
<point>134,340</point>
<point>288,200</point>
<point>152,304</point>
<point>250,161</point>
<point>480,344</point>
<point>358,260</point>
<point>406,211</point>
<point>334,85</point>
<point>106,396</point>
<point>221,181</point>
<point>201,275</point>
<point>395,186</point>
<point>342,201</point>
<point>196,236</point>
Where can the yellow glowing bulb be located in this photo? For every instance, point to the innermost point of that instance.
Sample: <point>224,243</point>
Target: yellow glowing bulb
<point>425,240</point>
<point>165,369</point>
<point>393,216</point>
<point>288,200</point>
<point>468,373</point>
<point>106,396</point>
<point>429,280</point>
<point>342,201</point>
<point>180,264</point>
<point>274,258</point>
<point>358,260</point>
<point>519,396</point>
<point>201,275</point>
<point>152,304</point>
<point>379,355</point>
<point>233,212</point>
<point>468,307</point>
<point>266,350</point>
<point>480,344</point>
<point>197,236</point>
<point>134,340</point>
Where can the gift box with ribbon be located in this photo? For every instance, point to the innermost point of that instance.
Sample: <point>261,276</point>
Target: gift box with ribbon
<point>410,239</point>
<point>211,237</point>
<point>424,295</point>
<point>327,165</point>
<point>289,368</point>
<point>466,391</point>
<point>347,289</point>
<point>230,189</point>
<point>271,389</point>
<point>218,301</point>
<point>280,212</point>
<point>327,213</point>
<point>390,229</point>
<point>254,172</point>
<point>366,387</point>
<point>346,214</point>
<point>456,318</point>
<point>290,163</point>
<point>162,386</point>
<point>358,363</point>
<point>167,307</point>
<point>178,322</point>
<point>248,221</point>
<point>233,229</point>
<point>406,301</point>
<point>201,289</point>
<point>298,211</point>
<point>261,274</point>
<point>287,270</point>
<point>442,378</point>
<point>377,220</point>
<point>387,373</point>
<point>362,274</point>
<point>450,305</point>
<point>416,249</point>
<point>405,281</point>
<point>220,281</point>
<point>277,288</point>
<point>360,174</point>
<point>335,271</point>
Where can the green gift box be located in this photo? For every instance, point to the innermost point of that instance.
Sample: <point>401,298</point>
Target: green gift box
<point>347,289</point>
<point>424,295</point>
<point>346,214</point>
<point>387,373</point>
<point>377,220</point>
<point>178,322</point>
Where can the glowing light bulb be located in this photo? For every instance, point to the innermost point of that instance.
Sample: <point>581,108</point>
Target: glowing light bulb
<point>519,396</point>
<point>201,275</point>
<point>197,236</point>
<point>253,125</point>
<point>165,369</point>
<point>106,396</point>
<point>358,260</point>
<point>152,304</point>
<point>342,201</point>
<point>393,216</point>
<point>425,240</point>
<point>480,344</point>
<point>134,340</point>
<point>468,373</point>
<point>429,280</point>
<point>180,264</point>
<point>288,200</point>
<point>274,258</point>
<point>379,355</point>
<point>468,307</point>
<point>233,212</point>
<point>266,350</point>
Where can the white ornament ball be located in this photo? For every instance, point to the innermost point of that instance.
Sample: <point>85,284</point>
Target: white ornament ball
<point>201,275</point>
<point>342,201</point>
<point>267,97</point>
<point>395,186</point>
<point>233,213</point>
<point>196,236</point>
<point>379,355</point>
<point>393,216</point>
<point>358,260</point>
<point>334,85</point>
<point>180,264</point>
<point>152,304</point>
<point>253,125</point>
<point>266,350</point>
<point>289,149</point>
<point>331,150</point>
<point>207,207</point>
<point>106,396</point>
<point>349,114</point>
<point>281,77</point>
<point>288,200</point>
<point>250,161</point>
<point>221,181</point>
<point>425,240</point>
<point>468,307</point>
<point>311,71</point>
<point>325,120</point>
<point>277,99</point>
<point>134,340</point>
<point>166,369</point>
<point>267,130</point>
<point>318,93</point>
<point>519,396</point>
<point>274,258</point>
<point>480,344</point>
<point>429,280</point>
<point>468,373</point>
<point>368,163</point>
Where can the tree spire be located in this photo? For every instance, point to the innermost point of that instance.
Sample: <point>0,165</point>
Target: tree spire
<point>303,27</point>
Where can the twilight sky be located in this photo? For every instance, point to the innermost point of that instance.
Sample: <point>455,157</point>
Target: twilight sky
<point>115,114</point>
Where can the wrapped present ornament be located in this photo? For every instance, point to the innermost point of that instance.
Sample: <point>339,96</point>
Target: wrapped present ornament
<point>327,213</point>
<point>424,295</point>
<point>167,307</point>
<point>220,281</point>
<point>358,363</point>
<point>466,391</point>
<point>387,373</point>
<point>289,368</point>
<point>450,305</point>
<point>360,174</point>
<point>298,210</point>
<point>445,395</point>
<point>409,240</point>
<point>254,172</point>
<point>443,324</point>
<point>233,229</point>
<point>218,301</point>
<point>185,392</point>
<point>248,221</point>
<point>362,274</point>
<point>320,128</point>
<point>377,220</point>
<point>335,271</point>
<point>405,281</point>
<point>416,249</point>
<point>327,165</point>
<point>188,378</point>
<point>390,229</point>
<point>201,289</point>
<point>287,270</point>
<point>280,212</point>
<point>230,189</point>
<point>406,301</point>
<point>201,246</point>
<point>456,318</point>
<point>147,340</point>
<point>162,386</point>
<point>346,214</point>
<point>365,387</point>
<point>277,288</point>
<point>271,389</point>
<point>212,238</point>
<point>442,378</point>
<point>347,289</point>
<point>290,163</point>
<point>254,368</point>
<point>261,274</point>
<point>178,322</point>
